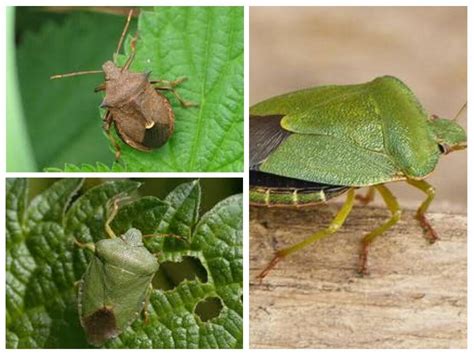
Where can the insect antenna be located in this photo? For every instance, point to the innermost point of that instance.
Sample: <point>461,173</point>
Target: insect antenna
<point>122,37</point>
<point>461,110</point>
<point>77,73</point>
<point>124,32</point>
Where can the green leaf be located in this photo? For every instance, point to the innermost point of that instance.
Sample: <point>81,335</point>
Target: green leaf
<point>38,304</point>
<point>43,264</point>
<point>98,167</point>
<point>204,44</point>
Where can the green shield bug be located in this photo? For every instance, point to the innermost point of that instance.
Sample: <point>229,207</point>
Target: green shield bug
<point>311,145</point>
<point>116,285</point>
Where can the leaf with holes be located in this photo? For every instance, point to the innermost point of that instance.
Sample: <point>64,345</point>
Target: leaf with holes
<point>202,309</point>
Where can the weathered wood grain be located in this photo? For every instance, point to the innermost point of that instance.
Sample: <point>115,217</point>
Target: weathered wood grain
<point>414,297</point>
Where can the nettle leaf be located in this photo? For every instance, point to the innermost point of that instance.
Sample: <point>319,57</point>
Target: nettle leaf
<point>98,167</point>
<point>43,264</point>
<point>204,44</point>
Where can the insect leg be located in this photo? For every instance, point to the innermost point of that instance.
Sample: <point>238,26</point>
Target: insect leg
<point>163,235</point>
<point>113,208</point>
<point>106,127</point>
<point>101,87</point>
<point>430,191</point>
<point>90,246</point>
<point>113,212</point>
<point>166,235</point>
<point>146,303</point>
<point>332,228</point>
<point>170,86</point>
<point>132,55</point>
<point>394,208</point>
<point>368,198</point>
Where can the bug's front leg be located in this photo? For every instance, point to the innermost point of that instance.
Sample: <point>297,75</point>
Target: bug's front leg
<point>100,87</point>
<point>88,246</point>
<point>106,127</point>
<point>430,191</point>
<point>112,208</point>
<point>133,49</point>
<point>170,86</point>
<point>163,235</point>
<point>113,212</point>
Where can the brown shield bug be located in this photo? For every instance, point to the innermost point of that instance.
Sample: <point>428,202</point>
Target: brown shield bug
<point>143,117</point>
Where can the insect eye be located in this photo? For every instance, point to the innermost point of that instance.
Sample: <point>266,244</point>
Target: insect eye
<point>443,148</point>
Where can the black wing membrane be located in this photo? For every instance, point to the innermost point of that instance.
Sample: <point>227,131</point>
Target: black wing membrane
<point>156,136</point>
<point>272,181</point>
<point>266,134</point>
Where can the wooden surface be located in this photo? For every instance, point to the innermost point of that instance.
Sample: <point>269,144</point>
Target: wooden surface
<point>414,297</point>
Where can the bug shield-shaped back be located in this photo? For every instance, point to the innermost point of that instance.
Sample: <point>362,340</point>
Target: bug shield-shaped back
<point>121,86</point>
<point>144,118</point>
<point>127,253</point>
<point>115,286</point>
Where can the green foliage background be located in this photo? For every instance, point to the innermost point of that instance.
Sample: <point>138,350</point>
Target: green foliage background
<point>43,264</point>
<point>62,117</point>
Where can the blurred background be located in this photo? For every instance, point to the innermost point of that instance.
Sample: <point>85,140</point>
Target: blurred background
<point>292,48</point>
<point>51,123</point>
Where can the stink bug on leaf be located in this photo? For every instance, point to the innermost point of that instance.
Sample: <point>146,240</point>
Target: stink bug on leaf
<point>142,116</point>
<point>312,145</point>
<point>116,285</point>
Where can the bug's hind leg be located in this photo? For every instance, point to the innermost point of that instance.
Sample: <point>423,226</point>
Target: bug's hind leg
<point>368,197</point>
<point>430,191</point>
<point>331,229</point>
<point>394,208</point>
<point>170,86</point>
